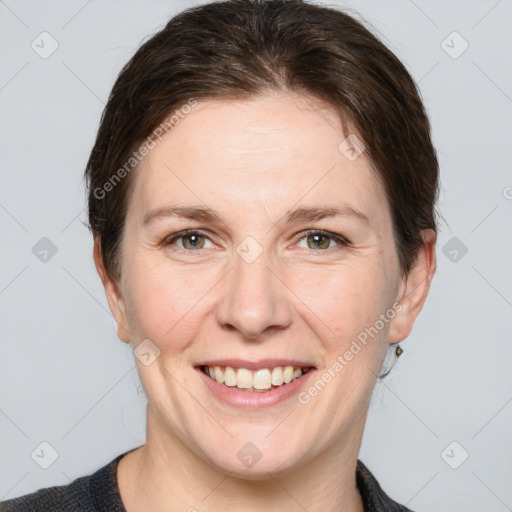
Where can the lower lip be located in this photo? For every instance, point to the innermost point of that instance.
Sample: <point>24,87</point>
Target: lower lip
<point>254,399</point>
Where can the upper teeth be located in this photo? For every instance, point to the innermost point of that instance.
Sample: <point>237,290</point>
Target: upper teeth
<point>261,379</point>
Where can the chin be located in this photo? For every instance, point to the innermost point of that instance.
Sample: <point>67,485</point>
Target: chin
<point>255,460</point>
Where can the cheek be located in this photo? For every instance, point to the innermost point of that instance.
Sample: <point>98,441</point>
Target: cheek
<point>164,304</point>
<point>158,300</point>
<point>346,299</point>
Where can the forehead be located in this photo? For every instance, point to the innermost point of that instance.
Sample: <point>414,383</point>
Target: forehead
<point>269,152</point>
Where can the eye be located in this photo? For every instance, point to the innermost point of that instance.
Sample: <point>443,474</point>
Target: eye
<point>191,240</point>
<point>318,239</point>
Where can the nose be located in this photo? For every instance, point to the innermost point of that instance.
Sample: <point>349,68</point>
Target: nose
<point>254,299</point>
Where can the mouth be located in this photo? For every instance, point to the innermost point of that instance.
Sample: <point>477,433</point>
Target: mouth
<point>256,380</point>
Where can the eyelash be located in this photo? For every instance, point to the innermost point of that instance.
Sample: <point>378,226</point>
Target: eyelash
<point>343,242</point>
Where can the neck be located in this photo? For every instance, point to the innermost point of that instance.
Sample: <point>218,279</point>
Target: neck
<point>164,475</point>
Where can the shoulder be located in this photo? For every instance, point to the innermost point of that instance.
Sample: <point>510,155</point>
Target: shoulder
<point>97,492</point>
<point>59,498</point>
<point>374,497</point>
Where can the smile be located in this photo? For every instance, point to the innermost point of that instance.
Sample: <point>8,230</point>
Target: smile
<point>259,380</point>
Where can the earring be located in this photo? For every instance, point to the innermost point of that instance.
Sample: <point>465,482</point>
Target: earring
<point>398,351</point>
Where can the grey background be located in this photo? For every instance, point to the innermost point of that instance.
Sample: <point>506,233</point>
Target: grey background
<point>66,380</point>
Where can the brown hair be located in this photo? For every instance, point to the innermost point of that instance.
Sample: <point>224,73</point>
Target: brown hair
<point>240,48</point>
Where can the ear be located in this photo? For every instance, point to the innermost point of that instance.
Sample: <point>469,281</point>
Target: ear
<point>414,287</point>
<point>114,297</point>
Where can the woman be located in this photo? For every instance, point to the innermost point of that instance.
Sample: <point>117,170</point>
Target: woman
<point>262,199</point>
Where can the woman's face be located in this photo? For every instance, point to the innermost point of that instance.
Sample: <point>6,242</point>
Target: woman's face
<point>252,292</point>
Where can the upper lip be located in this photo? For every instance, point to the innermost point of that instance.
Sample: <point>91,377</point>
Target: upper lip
<point>255,365</point>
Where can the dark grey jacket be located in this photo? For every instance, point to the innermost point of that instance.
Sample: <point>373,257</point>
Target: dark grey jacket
<point>99,493</point>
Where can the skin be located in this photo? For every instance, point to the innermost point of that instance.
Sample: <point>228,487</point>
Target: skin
<point>252,161</point>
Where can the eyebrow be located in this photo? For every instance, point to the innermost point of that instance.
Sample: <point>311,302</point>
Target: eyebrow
<point>205,214</point>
